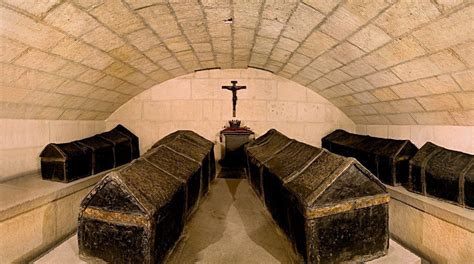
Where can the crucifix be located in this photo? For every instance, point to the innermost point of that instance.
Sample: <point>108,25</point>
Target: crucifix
<point>234,88</point>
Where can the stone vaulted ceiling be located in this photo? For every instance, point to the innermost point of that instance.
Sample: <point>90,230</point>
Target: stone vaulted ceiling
<point>380,61</point>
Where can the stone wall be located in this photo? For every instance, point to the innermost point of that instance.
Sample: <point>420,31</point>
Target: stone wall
<point>22,141</point>
<point>459,138</point>
<point>196,101</point>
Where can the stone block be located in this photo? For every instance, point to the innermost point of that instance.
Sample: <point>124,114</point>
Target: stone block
<point>321,84</point>
<point>103,39</point>
<point>439,102</point>
<point>316,44</point>
<point>288,91</point>
<point>251,110</point>
<point>465,79</point>
<point>302,21</point>
<point>466,99</point>
<point>397,51</point>
<point>338,76</point>
<point>400,119</point>
<point>341,23</point>
<point>35,59</point>
<point>10,49</point>
<point>28,31</point>
<point>325,63</point>
<point>71,70</point>
<point>346,52</point>
<point>382,78</point>
<point>448,31</point>
<point>183,110</point>
<point>212,110</point>
<point>324,6</point>
<point>447,61</point>
<point>311,113</point>
<point>358,68</point>
<point>143,39</point>
<point>365,98</point>
<point>118,69</point>
<point>97,60</point>
<point>173,90</point>
<point>384,94</point>
<point>38,9</point>
<point>36,80</point>
<point>75,88</point>
<point>416,69</point>
<point>119,18</point>
<point>157,111</point>
<point>433,118</point>
<point>281,111</point>
<point>359,85</point>
<point>369,38</point>
<point>406,106</point>
<point>464,118</point>
<point>71,19</point>
<point>466,52</point>
<point>405,16</point>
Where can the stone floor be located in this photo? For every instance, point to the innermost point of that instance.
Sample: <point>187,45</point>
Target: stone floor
<point>230,226</point>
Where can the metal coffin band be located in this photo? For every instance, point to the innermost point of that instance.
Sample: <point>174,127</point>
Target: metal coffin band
<point>331,207</point>
<point>137,214</point>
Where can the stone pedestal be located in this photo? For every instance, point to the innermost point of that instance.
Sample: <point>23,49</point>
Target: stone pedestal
<point>234,140</point>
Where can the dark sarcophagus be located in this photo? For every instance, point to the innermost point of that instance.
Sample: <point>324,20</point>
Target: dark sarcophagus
<point>133,139</point>
<point>444,174</point>
<point>123,149</point>
<point>136,214</point>
<point>388,159</point>
<point>204,153</point>
<point>70,161</point>
<point>181,167</point>
<point>331,207</point>
<point>102,153</point>
<point>65,162</point>
<point>260,151</point>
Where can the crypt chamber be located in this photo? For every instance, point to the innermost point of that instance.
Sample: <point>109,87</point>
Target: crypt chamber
<point>244,131</point>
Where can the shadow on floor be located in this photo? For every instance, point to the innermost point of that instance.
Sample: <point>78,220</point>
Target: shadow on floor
<point>231,226</point>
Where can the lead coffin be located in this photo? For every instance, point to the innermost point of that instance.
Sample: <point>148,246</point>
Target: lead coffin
<point>331,207</point>
<point>89,155</point>
<point>203,154</point>
<point>443,173</point>
<point>387,159</point>
<point>65,162</point>
<point>137,214</point>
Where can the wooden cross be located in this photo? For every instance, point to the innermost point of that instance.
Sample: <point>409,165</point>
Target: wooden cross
<point>234,88</point>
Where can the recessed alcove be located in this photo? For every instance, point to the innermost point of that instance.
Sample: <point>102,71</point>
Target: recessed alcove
<point>72,69</point>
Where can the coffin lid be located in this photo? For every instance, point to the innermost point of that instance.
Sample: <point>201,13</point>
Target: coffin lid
<point>266,146</point>
<point>189,135</point>
<point>115,136</point>
<point>172,162</point>
<point>444,163</point>
<point>381,146</point>
<point>124,131</point>
<point>95,142</point>
<point>142,184</point>
<point>181,144</point>
<point>62,150</point>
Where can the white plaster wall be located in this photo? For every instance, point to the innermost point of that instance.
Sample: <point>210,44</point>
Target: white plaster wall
<point>21,141</point>
<point>197,102</point>
<point>459,138</point>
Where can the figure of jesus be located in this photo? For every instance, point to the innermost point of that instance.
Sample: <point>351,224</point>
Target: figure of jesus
<point>234,88</point>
